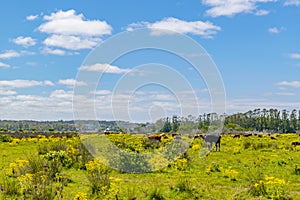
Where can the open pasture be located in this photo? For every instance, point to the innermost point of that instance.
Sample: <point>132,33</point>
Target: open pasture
<point>253,167</point>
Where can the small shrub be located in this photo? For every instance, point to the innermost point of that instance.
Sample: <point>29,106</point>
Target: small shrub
<point>230,173</point>
<point>183,186</point>
<point>9,187</point>
<point>80,196</point>
<point>156,194</point>
<point>98,176</point>
<point>6,138</point>
<point>214,167</point>
<point>269,187</point>
<point>297,170</point>
<point>247,144</point>
<point>39,186</point>
<point>59,156</point>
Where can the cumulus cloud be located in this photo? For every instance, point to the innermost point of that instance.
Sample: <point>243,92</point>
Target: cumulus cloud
<point>294,84</point>
<point>58,105</point>
<point>69,23</point>
<point>9,54</point>
<point>233,7</point>
<point>23,83</point>
<point>4,65</point>
<point>57,52</point>
<point>7,92</point>
<point>101,92</point>
<point>24,41</point>
<point>72,31</point>
<point>292,3</point>
<point>62,94</point>
<point>32,17</point>
<point>206,29</point>
<point>262,12</point>
<point>105,68</point>
<point>71,42</point>
<point>71,82</point>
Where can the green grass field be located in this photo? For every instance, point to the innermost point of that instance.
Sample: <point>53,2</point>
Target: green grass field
<point>245,168</point>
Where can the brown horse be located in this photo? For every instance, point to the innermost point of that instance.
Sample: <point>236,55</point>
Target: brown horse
<point>155,137</point>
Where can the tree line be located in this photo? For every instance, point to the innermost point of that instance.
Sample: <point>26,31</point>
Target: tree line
<point>262,120</point>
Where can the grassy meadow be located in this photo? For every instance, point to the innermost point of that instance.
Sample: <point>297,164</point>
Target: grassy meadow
<point>255,167</point>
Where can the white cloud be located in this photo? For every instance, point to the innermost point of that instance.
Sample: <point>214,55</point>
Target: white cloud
<point>292,3</point>
<point>4,65</point>
<point>69,23</point>
<point>62,94</point>
<point>285,93</point>
<point>294,84</point>
<point>23,83</point>
<point>48,83</point>
<point>243,105</point>
<point>105,68</point>
<point>280,94</point>
<point>9,54</point>
<point>273,30</point>
<point>101,92</point>
<point>71,82</point>
<point>58,105</point>
<point>295,55</point>
<point>24,41</point>
<point>276,30</point>
<point>206,29</point>
<point>262,12</point>
<point>7,92</point>
<point>32,17</point>
<point>233,7</point>
<point>57,52</point>
<point>72,31</point>
<point>71,42</point>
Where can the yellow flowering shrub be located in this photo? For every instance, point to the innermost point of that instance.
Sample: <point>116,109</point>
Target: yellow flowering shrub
<point>270,187</point>
<point>80,196</point>
<point>158,161</point>
<point>195,147</point>
<point>18,168</point>
<point>230,173</point>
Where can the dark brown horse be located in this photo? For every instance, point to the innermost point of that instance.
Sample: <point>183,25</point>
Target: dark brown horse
<point>155,137</point>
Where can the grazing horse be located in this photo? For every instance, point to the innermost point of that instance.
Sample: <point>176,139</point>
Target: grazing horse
<point>295,143</point>
<point>237,136</point>
<point>210,139</point>
<point>247,135</point>
<point>199,136</point>
<point>155,137</point>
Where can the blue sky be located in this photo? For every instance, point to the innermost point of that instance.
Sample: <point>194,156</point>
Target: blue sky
<point>254,44</point>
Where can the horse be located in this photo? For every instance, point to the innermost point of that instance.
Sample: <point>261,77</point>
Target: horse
<point>295,143</point>
<point>155,137</point>
<point>210,139</point>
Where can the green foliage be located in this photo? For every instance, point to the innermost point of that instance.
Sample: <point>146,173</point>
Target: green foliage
<point>156,194</point>
<point>183,185</point>
<point>5,138</point>
<point>98,176</point>
<point>167,126</point>
<point>297,170</point>
<point>9,187</point>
